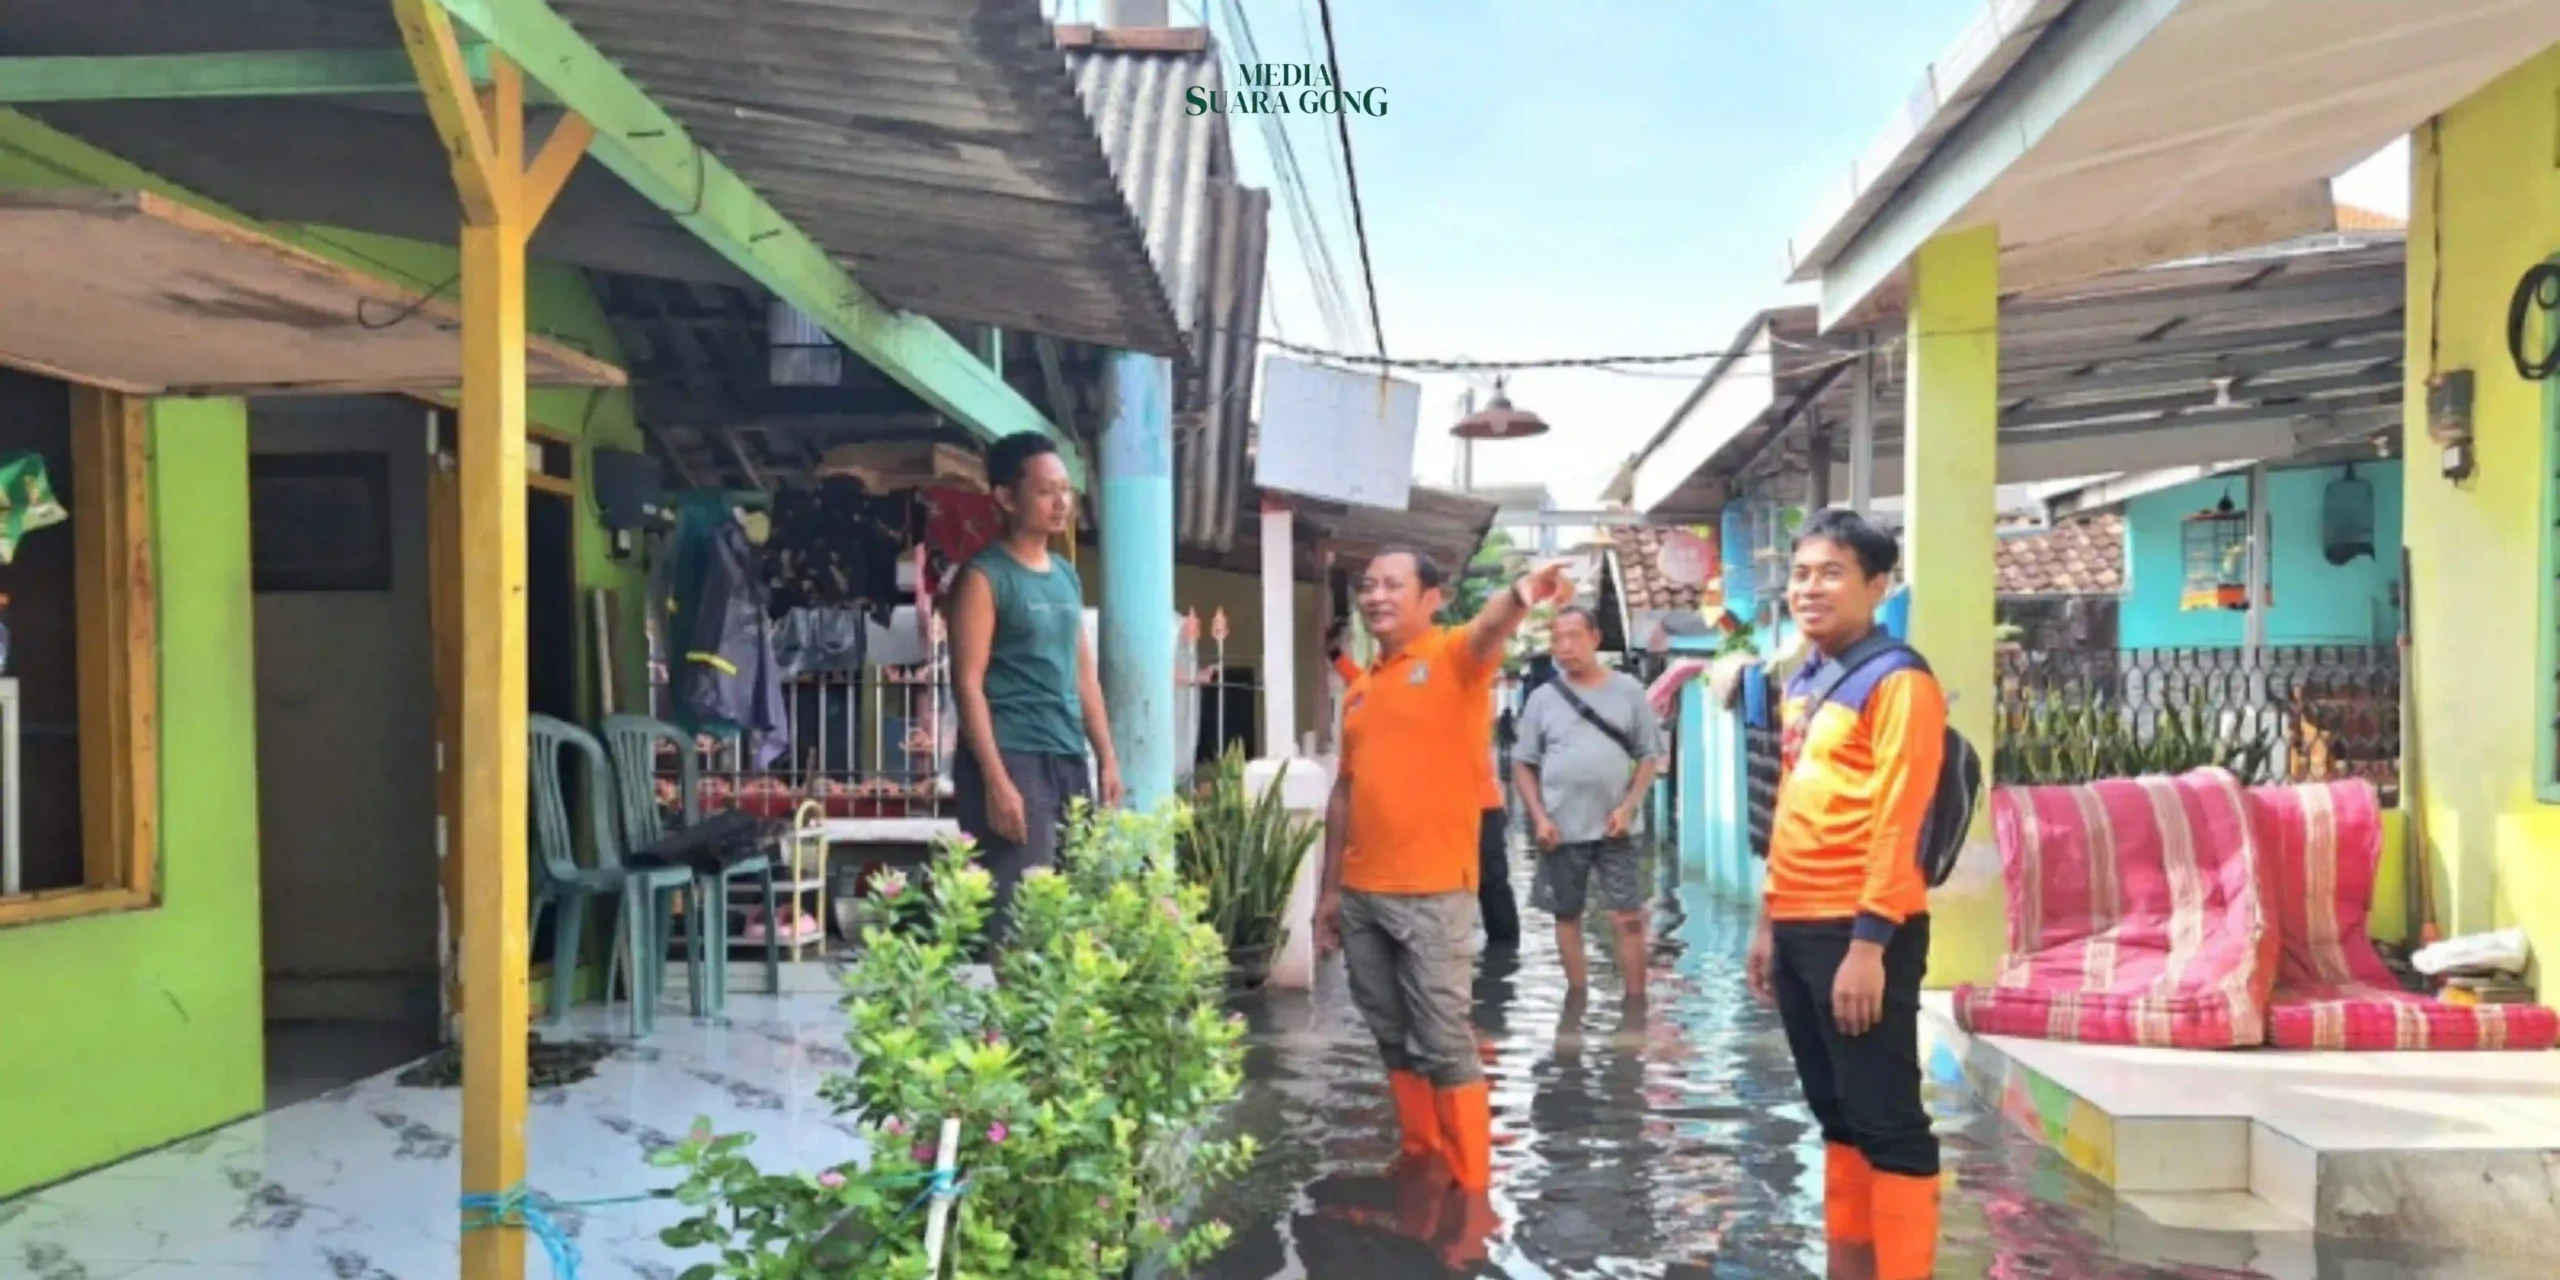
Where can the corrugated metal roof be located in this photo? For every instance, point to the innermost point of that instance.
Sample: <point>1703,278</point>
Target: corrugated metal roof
<point>1207,236</point>
<point>935,146</point>
<point>2306,334</point>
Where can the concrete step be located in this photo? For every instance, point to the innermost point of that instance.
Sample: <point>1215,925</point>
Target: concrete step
<point>2452,1150</point>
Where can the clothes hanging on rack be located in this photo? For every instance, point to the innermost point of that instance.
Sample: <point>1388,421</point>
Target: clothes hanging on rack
<point>820,639</point>
<point>838,545</point>
<point>727,677</point>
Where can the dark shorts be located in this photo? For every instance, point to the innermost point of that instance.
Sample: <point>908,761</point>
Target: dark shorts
<point>1050,784</point>
<point>1564,877</point>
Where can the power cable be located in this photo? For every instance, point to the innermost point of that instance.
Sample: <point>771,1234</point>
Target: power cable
<point>1324,274</point>
<point>1629,364</point>
<point>1351,174</point>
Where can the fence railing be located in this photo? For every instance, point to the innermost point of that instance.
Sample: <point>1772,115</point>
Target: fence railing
<point>2323,712</point>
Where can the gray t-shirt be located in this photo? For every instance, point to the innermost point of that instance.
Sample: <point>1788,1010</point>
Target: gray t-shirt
<point>1582,775</point>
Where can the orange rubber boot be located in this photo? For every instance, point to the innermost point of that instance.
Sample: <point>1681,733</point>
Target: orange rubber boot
<point>1906,1224</point>
<point>1466,1127</point>
<point>1848,1196</point>
<point>1417,1115</point>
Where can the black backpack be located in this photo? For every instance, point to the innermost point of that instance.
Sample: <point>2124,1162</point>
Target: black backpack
<point>1959,788</point>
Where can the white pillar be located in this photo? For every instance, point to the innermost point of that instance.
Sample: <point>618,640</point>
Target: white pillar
<point>1862,429</point>
<point>1279,631</point>
<point>1306,785</point>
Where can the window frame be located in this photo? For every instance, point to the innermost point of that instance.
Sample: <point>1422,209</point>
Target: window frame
<point>117,605</point>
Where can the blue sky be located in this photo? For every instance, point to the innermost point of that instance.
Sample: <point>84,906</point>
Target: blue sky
<point>1580,177</point>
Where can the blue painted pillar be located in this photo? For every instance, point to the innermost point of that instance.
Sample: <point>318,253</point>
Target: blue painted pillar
<point>1137,622</point>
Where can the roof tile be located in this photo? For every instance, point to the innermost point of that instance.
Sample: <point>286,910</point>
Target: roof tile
<point>2075,558</point>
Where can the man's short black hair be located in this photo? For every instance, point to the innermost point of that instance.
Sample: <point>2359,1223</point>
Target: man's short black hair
<point>1589,619</point>
<point>1876,551</point>
<point>1010,457</point>
<point>1426,570</point>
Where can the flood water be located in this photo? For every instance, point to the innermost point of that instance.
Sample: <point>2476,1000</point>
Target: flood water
<point>1671,1146</point>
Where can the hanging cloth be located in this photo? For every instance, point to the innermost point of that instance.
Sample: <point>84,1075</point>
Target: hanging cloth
<point>727,679</point>
<point>27,502</point>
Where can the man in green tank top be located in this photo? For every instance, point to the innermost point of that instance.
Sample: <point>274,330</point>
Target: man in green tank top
<point>1030,694</point>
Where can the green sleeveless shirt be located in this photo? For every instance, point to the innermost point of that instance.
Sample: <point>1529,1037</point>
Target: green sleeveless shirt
<point>1032,665</point>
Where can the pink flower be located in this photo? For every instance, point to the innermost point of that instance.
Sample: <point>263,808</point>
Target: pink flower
<point>701,1132</point>
<point>923,1153</point>
<point>831,1180</point>
<point>891,886</point>
<point>1172,909</point>
<point>1164,1224</point>
<point>1103,1203</point>
<point>997,1133</point>
<point>895,1125</point>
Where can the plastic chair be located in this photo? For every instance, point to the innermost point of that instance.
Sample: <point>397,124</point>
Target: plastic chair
<point>634,741</point>
<point>560,880</point>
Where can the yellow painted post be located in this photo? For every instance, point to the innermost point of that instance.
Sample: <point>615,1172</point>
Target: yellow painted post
<point>1950,470</point>
<point>502,200</point>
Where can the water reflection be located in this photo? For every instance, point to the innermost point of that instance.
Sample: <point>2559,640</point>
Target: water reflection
<point>1670,1144</point>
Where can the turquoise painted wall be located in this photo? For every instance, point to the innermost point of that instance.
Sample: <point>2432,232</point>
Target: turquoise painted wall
<point>124,1031</point>
<point>1715,827</point>
<point>2315,602</point>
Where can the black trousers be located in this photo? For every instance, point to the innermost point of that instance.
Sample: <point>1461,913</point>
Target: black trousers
<point>1864,1090</point>
<point>1493,880</point>
<point>1050,786</point>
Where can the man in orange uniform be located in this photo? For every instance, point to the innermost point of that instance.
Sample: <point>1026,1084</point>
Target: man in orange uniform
<point>1843,939</point>
<point>1401,854</point>
<point>1495,902</point>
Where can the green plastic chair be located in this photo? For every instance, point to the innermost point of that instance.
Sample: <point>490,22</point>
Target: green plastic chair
<point>634,742</point>
<point>559,879</point>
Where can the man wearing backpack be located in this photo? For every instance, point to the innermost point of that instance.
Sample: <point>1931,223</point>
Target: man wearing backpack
<point>1843,937</point>
<point>1582,766</point>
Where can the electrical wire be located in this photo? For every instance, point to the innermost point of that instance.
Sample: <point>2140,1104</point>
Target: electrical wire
<point>1315,249</point>
<point>1351,175</point>
<point>1630,363</point>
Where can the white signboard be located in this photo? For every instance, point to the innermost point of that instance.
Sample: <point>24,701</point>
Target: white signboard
<point>1336,434</point>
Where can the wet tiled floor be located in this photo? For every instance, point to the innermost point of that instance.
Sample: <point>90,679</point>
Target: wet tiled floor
<point>1670,1146</point>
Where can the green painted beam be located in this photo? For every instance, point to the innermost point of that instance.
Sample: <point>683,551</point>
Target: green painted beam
<point>639,141</point>
<point>261,74</point>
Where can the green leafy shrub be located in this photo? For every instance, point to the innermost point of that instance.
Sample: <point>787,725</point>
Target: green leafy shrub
<point>1243,852</point>
<point>1085,1079</point>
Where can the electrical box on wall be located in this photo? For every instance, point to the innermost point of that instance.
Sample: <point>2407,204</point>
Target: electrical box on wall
<point>2449,422</point>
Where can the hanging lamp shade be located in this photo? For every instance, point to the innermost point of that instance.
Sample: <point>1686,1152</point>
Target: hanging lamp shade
<point>2346,518</point>
<point>2214,551</point>
<point>1499,421</point>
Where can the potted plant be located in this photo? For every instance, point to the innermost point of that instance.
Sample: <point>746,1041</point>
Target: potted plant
<point>1243,851</point>
<point>1082,1079</point>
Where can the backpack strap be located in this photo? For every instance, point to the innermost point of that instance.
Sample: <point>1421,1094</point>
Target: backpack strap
<point>1876,646</point>
<point>1624,740</point>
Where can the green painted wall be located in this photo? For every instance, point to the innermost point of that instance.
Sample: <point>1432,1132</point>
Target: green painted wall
<point>121,1032</point>
<point>135,1030</point>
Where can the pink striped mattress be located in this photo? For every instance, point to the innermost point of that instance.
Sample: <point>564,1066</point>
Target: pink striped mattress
<point>2321,844</point>
<point>2134,916</point>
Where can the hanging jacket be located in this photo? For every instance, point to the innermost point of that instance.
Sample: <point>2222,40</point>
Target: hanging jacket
<point>727,677</point>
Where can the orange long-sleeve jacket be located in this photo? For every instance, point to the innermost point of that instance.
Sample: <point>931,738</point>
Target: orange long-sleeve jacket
<point>1860,771</point>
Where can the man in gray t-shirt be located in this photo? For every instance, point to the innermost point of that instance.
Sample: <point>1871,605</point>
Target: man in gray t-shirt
<point>1583,786</point>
